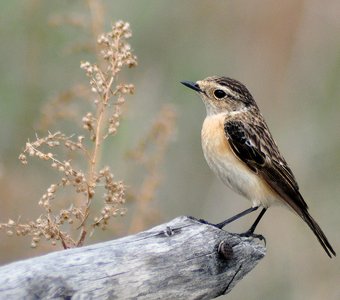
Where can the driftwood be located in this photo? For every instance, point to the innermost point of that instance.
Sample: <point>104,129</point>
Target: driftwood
<point>181,259</point>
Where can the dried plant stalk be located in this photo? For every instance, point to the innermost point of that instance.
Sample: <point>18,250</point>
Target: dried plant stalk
<point>101,123</point>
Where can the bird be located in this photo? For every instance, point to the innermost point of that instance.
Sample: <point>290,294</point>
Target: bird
<point>241,151</point>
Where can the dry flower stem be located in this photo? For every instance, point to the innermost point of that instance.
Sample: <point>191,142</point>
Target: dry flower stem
<point>116,54</point>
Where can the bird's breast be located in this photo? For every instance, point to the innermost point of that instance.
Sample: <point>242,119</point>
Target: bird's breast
<point>228,167</point>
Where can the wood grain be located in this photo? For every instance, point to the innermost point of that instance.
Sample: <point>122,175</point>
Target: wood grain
<point>181,259</point>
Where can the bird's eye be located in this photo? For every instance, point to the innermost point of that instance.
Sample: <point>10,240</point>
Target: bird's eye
<point>219,94</point>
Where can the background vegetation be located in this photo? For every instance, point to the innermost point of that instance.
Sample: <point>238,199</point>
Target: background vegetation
<point>287,53</point>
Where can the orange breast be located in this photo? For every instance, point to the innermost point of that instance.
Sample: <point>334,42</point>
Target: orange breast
<point>214,140</point>
<point>229,168</point>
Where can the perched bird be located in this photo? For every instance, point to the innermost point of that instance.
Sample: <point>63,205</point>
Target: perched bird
<point>241,151</point>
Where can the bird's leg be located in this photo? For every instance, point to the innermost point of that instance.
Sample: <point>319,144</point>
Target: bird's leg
<point>241,214</point>
<point>251,230</point>
<point>259,217</point>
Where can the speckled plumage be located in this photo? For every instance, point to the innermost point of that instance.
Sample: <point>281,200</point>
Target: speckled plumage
<point>240,149</point>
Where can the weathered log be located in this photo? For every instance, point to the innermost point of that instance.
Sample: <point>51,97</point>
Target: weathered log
<point>181,259</point>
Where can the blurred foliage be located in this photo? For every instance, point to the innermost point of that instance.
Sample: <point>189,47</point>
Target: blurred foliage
<point>288,55</point>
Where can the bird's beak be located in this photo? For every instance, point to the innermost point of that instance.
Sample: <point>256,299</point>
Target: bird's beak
<point>192,85</point>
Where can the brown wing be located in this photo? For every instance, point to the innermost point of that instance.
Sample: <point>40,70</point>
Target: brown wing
<point>254,145</point>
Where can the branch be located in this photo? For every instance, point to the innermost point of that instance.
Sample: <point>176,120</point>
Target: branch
<point>181,259</point>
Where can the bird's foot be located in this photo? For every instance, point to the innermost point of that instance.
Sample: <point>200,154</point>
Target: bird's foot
<point>249,233</point>
<point>206,222</point>
<point>219,225</point>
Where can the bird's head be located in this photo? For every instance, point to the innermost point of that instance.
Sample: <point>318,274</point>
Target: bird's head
<point>222,94</point>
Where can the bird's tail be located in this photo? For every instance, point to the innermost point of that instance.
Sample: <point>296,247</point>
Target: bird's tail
<point>318,233</point>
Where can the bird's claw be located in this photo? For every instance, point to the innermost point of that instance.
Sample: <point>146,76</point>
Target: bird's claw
<point>254,235</point>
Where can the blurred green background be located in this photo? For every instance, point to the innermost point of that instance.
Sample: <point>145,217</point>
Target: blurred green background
<point>286,52</point>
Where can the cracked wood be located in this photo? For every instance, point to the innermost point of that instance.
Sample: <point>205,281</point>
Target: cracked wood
<point>183,259</point>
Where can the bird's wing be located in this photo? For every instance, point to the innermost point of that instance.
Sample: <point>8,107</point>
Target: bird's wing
<point>254,145</point>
